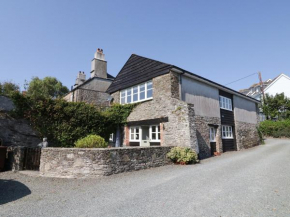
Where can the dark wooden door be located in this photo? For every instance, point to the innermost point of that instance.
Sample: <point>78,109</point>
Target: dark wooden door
<point>32,158</point>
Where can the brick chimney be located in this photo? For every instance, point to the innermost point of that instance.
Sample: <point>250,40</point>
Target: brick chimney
<point>81,78</point>
<point>99,65</point>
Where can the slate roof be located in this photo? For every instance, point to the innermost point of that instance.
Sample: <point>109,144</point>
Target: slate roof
<point>139,69</point>
<point>136,70</point>
<point>109,77</point>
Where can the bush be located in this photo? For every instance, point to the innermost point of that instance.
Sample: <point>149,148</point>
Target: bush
<point>261,136</point>
<point>91,141</point>
<point>182,155</point>
<point>276,129</point>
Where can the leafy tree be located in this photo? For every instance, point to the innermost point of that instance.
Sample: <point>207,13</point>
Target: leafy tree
<point>8,88</point>
<point>49,87</point>
<point>277,106</point>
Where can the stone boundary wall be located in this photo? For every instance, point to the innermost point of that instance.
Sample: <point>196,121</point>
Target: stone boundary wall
<point>96,162</point>
<point>15,160</point>
<point>246,135</point>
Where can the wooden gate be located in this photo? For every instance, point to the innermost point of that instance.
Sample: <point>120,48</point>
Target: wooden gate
<point>32,158</point>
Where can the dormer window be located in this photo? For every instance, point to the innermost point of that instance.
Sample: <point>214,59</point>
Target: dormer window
<point>138,93</point>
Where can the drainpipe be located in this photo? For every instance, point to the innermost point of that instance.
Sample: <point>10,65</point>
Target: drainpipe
<point>118,137</point>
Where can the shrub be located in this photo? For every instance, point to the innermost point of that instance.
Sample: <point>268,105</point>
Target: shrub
<point>261,136</point>
<point>91,141</point>
<point>182,155</point>
<point>275,129</point>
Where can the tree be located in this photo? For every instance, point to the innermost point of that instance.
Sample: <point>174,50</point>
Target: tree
<point>7,88</point>
<point>49,87</point>
<point>277,106</point>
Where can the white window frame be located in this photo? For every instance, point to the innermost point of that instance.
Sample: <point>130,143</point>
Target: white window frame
<point>134,133</point>
<point>156,132</point>
<point>138,93</point>
<point>212,134</point>
<point>227,132</point>
<point>226,103</point>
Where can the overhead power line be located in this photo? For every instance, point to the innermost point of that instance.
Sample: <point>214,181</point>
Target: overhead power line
<point>242,78</point>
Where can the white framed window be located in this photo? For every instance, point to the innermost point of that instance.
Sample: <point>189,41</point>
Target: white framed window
<point>226,103</point>
<point>227,132</point>
<point>212,134</point>
<point>111,138</point>
<point>135,134</point>
<point>123,97</point>
<point>137,93</point>
<point>154,132</point>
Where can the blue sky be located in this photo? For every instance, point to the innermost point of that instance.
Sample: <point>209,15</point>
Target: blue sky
<point>220,40</point>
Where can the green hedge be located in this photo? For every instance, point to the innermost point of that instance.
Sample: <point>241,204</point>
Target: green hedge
<point>63,123</point>
<point>275,129</point>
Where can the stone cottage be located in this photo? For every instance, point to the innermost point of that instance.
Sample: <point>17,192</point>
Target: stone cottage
<point>179,108</point>
<point>93,90</point>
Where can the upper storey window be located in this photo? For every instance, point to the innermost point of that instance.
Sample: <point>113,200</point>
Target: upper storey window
<point>226,103</point>
<point>137,93</point>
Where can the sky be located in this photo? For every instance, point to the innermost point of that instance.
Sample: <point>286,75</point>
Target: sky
<point>222,40</point>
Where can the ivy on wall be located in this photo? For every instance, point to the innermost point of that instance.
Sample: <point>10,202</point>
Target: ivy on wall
<point>63,123</point>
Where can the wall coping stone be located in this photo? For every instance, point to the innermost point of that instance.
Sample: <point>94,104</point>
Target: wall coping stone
<point>106,149</point>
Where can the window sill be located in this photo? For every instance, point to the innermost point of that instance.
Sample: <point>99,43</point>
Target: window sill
<point>144,100</point>
<point>226,109</point>
<point>227,137</point>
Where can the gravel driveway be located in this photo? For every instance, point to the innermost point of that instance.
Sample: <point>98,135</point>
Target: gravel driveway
<point>253,182</point>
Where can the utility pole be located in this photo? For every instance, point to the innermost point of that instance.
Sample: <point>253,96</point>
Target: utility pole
<point>263,93</point>
<point>261,85</point>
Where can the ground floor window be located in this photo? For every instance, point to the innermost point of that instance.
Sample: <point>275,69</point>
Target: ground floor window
<point>227,132</point>
<point>135,134</point>
<point>212,134</point>
<point>155,133</point>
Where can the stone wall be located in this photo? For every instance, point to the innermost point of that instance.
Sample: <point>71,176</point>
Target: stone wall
<point>116,97</point>
<point>15,160</point>
<point>246,135</point>
<point>179,130</point>
<point>92,92</point>
<point>202,132</point>
<point>75,162</point>
<point>99,99</point>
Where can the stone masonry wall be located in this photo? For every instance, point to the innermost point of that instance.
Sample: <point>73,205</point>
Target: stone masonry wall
<point>15,160</point>
<point>246,135</point>
<point>81,163</point>
<point>202,132</point>
<point>179,130</point>
<point>99,99</point>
